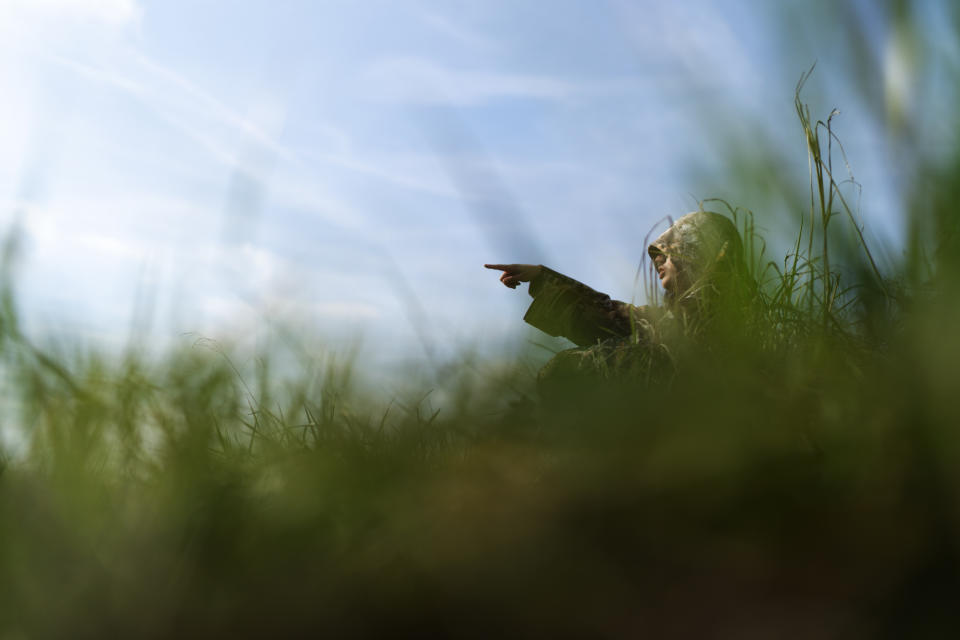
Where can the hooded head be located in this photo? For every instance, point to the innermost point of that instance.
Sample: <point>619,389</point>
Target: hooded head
<point>705,257</point>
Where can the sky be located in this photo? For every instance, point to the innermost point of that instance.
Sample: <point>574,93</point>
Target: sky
<point>182,168</point>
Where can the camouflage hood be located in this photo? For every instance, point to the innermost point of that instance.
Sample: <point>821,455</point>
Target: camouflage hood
<point>705,247</point>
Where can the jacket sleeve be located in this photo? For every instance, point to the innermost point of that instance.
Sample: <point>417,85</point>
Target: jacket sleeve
<point>564,307</point>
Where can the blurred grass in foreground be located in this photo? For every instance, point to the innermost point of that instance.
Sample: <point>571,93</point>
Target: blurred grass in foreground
<point>797,478</point>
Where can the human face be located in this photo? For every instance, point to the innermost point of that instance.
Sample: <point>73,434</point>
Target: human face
<point>667,270</point>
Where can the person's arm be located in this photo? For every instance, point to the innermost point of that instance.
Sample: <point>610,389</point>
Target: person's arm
<point>565,307</point>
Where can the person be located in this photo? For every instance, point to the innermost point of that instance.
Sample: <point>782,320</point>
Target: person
<point>700,264</point>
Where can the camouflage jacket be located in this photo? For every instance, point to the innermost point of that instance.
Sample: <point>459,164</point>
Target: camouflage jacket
<point>708,254</point>
<point>617,338</point>
<point>565,307</point>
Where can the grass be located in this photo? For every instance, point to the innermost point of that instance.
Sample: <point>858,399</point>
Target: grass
<point>796,479</point>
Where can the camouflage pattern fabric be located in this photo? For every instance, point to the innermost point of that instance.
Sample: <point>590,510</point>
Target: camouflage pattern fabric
<point>617,339</point>
<point>564,307</point>
<point>708,254</point>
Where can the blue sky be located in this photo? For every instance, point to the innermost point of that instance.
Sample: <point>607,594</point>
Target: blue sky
<point>349,166</point>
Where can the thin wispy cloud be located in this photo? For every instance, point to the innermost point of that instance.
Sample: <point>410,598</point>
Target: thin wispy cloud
<point>179,103</point>
<point>416,172</point>
<point>110,12</point>
<point>213,109</point>
<point>419,81</point>
<point>698,40</point>
<point>457,32</point>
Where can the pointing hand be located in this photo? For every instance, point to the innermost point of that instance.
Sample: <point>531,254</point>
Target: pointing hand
<point>514,274</point>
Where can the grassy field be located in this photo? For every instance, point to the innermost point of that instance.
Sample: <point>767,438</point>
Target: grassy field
<point>798,478</point>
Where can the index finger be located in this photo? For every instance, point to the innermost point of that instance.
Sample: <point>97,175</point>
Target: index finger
<point>498,267</point>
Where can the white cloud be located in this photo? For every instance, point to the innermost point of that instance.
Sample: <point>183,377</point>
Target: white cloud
<point>216,127</point>
<point>457,32</point>
<point>305,193</point>
<point>186,107</point>
<point>416,80</point>
<point>296,308</point>
<point>696,37</point>
<point>414,171</point>
<point>344,310</point>
<point>268,113</point>
<point>110,12</point>
<point>219,310</point>
<point>88,261</point>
